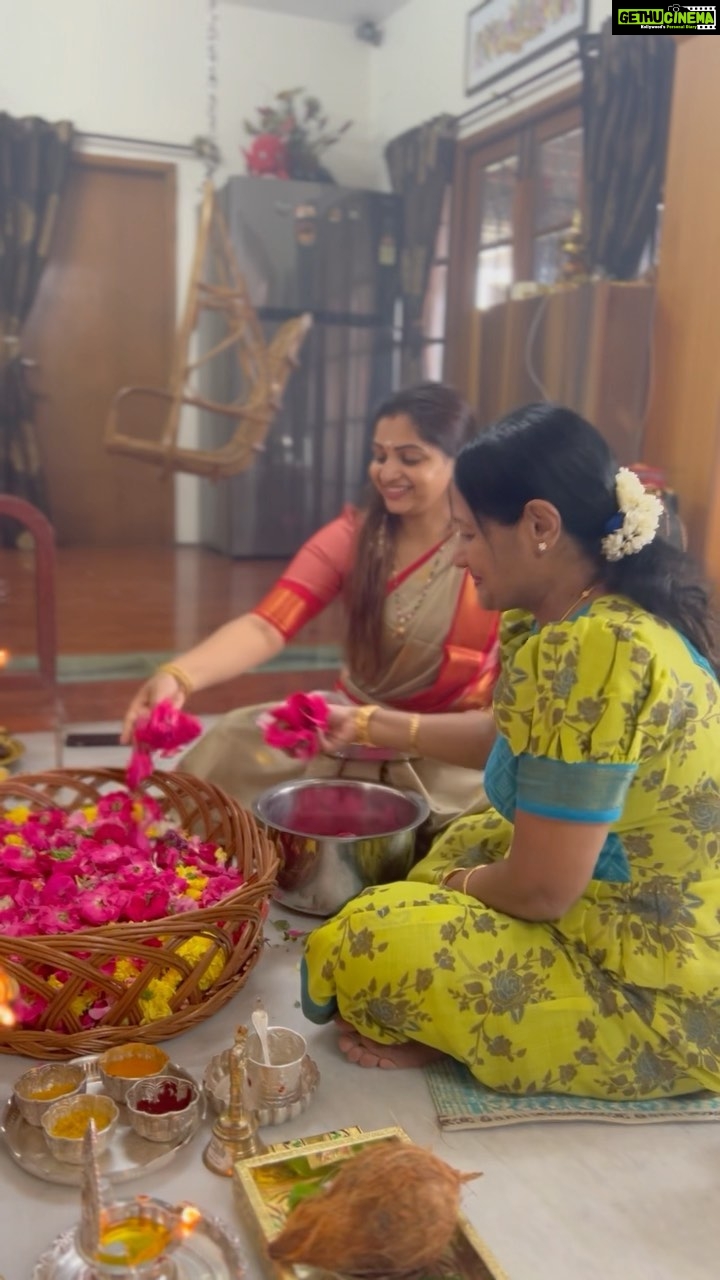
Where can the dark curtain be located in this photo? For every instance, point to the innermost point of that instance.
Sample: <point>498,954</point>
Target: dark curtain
<point>627,89</point>
<point>420,163</point>
<point>33,162</point>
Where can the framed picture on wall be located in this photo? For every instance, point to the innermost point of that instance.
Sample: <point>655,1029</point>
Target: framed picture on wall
<point>503,35</point>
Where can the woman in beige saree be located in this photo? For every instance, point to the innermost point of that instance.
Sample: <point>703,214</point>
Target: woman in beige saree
<point>417,639</point>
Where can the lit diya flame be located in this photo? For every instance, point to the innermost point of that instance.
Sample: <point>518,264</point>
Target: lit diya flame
<point>189,1218</point>
<point>8,993</point>
<point>4,657</point>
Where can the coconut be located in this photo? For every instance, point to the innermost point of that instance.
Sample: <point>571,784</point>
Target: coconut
<point>390,1211</point>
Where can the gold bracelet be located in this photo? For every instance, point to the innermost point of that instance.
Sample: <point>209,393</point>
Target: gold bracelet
<point>414,733</point>
<point>448,876</point>
<point>178,674</point>
<point>362,725</point>
<point>466,881</point>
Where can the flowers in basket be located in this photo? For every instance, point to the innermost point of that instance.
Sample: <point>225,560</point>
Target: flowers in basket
<point>114,862</point>
<point>117,861</point>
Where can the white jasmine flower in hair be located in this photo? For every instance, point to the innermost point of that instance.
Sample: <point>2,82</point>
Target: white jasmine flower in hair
<point>641,512</point>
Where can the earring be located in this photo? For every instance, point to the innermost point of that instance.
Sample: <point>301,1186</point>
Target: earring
<point>542,546</point>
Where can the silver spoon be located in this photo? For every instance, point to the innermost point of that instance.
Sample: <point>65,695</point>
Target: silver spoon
<point>260,1023</point>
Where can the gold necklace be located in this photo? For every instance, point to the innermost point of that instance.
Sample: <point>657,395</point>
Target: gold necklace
<point>576,603</point>
<point>404,616</point>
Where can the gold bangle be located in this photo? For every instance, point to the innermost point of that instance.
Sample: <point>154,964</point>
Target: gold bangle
<point>448,876</point>
<point>178,674</point>
<point>414,733</point>
<point>466,881</point>
<point>362,725</point>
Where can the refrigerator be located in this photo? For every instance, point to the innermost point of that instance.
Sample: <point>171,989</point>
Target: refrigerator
<point>335,253</point>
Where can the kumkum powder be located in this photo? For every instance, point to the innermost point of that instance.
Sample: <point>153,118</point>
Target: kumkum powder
<point>166,1100</point>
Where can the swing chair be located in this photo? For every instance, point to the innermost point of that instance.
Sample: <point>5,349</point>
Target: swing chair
<point>265,367</point>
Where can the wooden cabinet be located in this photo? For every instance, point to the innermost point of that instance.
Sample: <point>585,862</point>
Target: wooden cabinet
<point>683,429</point>
<point>584,345</point>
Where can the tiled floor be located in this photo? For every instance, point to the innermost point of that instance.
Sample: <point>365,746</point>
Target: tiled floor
<point>556,1202</point>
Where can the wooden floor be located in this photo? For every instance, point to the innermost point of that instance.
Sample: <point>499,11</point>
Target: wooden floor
<point>142,602</point>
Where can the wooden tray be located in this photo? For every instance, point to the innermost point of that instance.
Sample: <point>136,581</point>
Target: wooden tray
<point>264,1183</point>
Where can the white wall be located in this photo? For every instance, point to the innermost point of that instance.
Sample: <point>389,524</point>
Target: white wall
<point>138,68</point>
<point>419,71</point>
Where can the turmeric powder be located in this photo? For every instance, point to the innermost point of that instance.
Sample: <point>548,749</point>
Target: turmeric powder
<point>74,1123</point>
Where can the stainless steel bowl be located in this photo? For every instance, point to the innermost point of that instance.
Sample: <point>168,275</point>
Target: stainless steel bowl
<point>336,838</point>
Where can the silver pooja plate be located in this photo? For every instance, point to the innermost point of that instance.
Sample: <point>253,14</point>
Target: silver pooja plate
<point>210,1252</point>
<point>128,1155</point>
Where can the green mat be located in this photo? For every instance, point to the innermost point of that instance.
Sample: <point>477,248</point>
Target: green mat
<point>462,1103</point>
<point>89,667</point>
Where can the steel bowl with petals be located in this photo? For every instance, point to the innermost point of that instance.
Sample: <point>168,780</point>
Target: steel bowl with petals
<point>337,837</point>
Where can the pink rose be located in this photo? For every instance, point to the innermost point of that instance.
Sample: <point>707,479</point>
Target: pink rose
<point>296,725</point>
<point>139,768</point>
<point>166,729</point>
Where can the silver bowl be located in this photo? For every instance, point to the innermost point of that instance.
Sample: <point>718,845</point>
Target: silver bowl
<point>89,1106</point>
<point>172,1126</point>
<point>118,1086</point>
<point>336,838</point>
<point>57,1080</point>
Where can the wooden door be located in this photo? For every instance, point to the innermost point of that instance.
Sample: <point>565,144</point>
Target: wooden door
<point>103,319</point>
<point>516,188</point>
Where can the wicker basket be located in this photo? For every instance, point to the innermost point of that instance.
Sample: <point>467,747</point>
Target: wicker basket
<point>233,927</point>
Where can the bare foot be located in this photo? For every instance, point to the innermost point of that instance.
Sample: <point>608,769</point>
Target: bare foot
<point>364,1052</point>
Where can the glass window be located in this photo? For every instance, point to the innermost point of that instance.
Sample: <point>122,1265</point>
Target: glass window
<point>497,201</point>
<point>494,275</point>
<point>558,181</point>
<point>494,266</point>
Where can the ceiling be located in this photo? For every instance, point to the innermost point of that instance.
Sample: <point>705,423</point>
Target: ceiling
<point>343,11</point>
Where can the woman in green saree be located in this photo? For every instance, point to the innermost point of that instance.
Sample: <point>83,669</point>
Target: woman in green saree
<point>568,938</point>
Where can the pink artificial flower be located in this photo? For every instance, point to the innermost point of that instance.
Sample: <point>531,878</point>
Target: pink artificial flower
<point>296,725</point>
